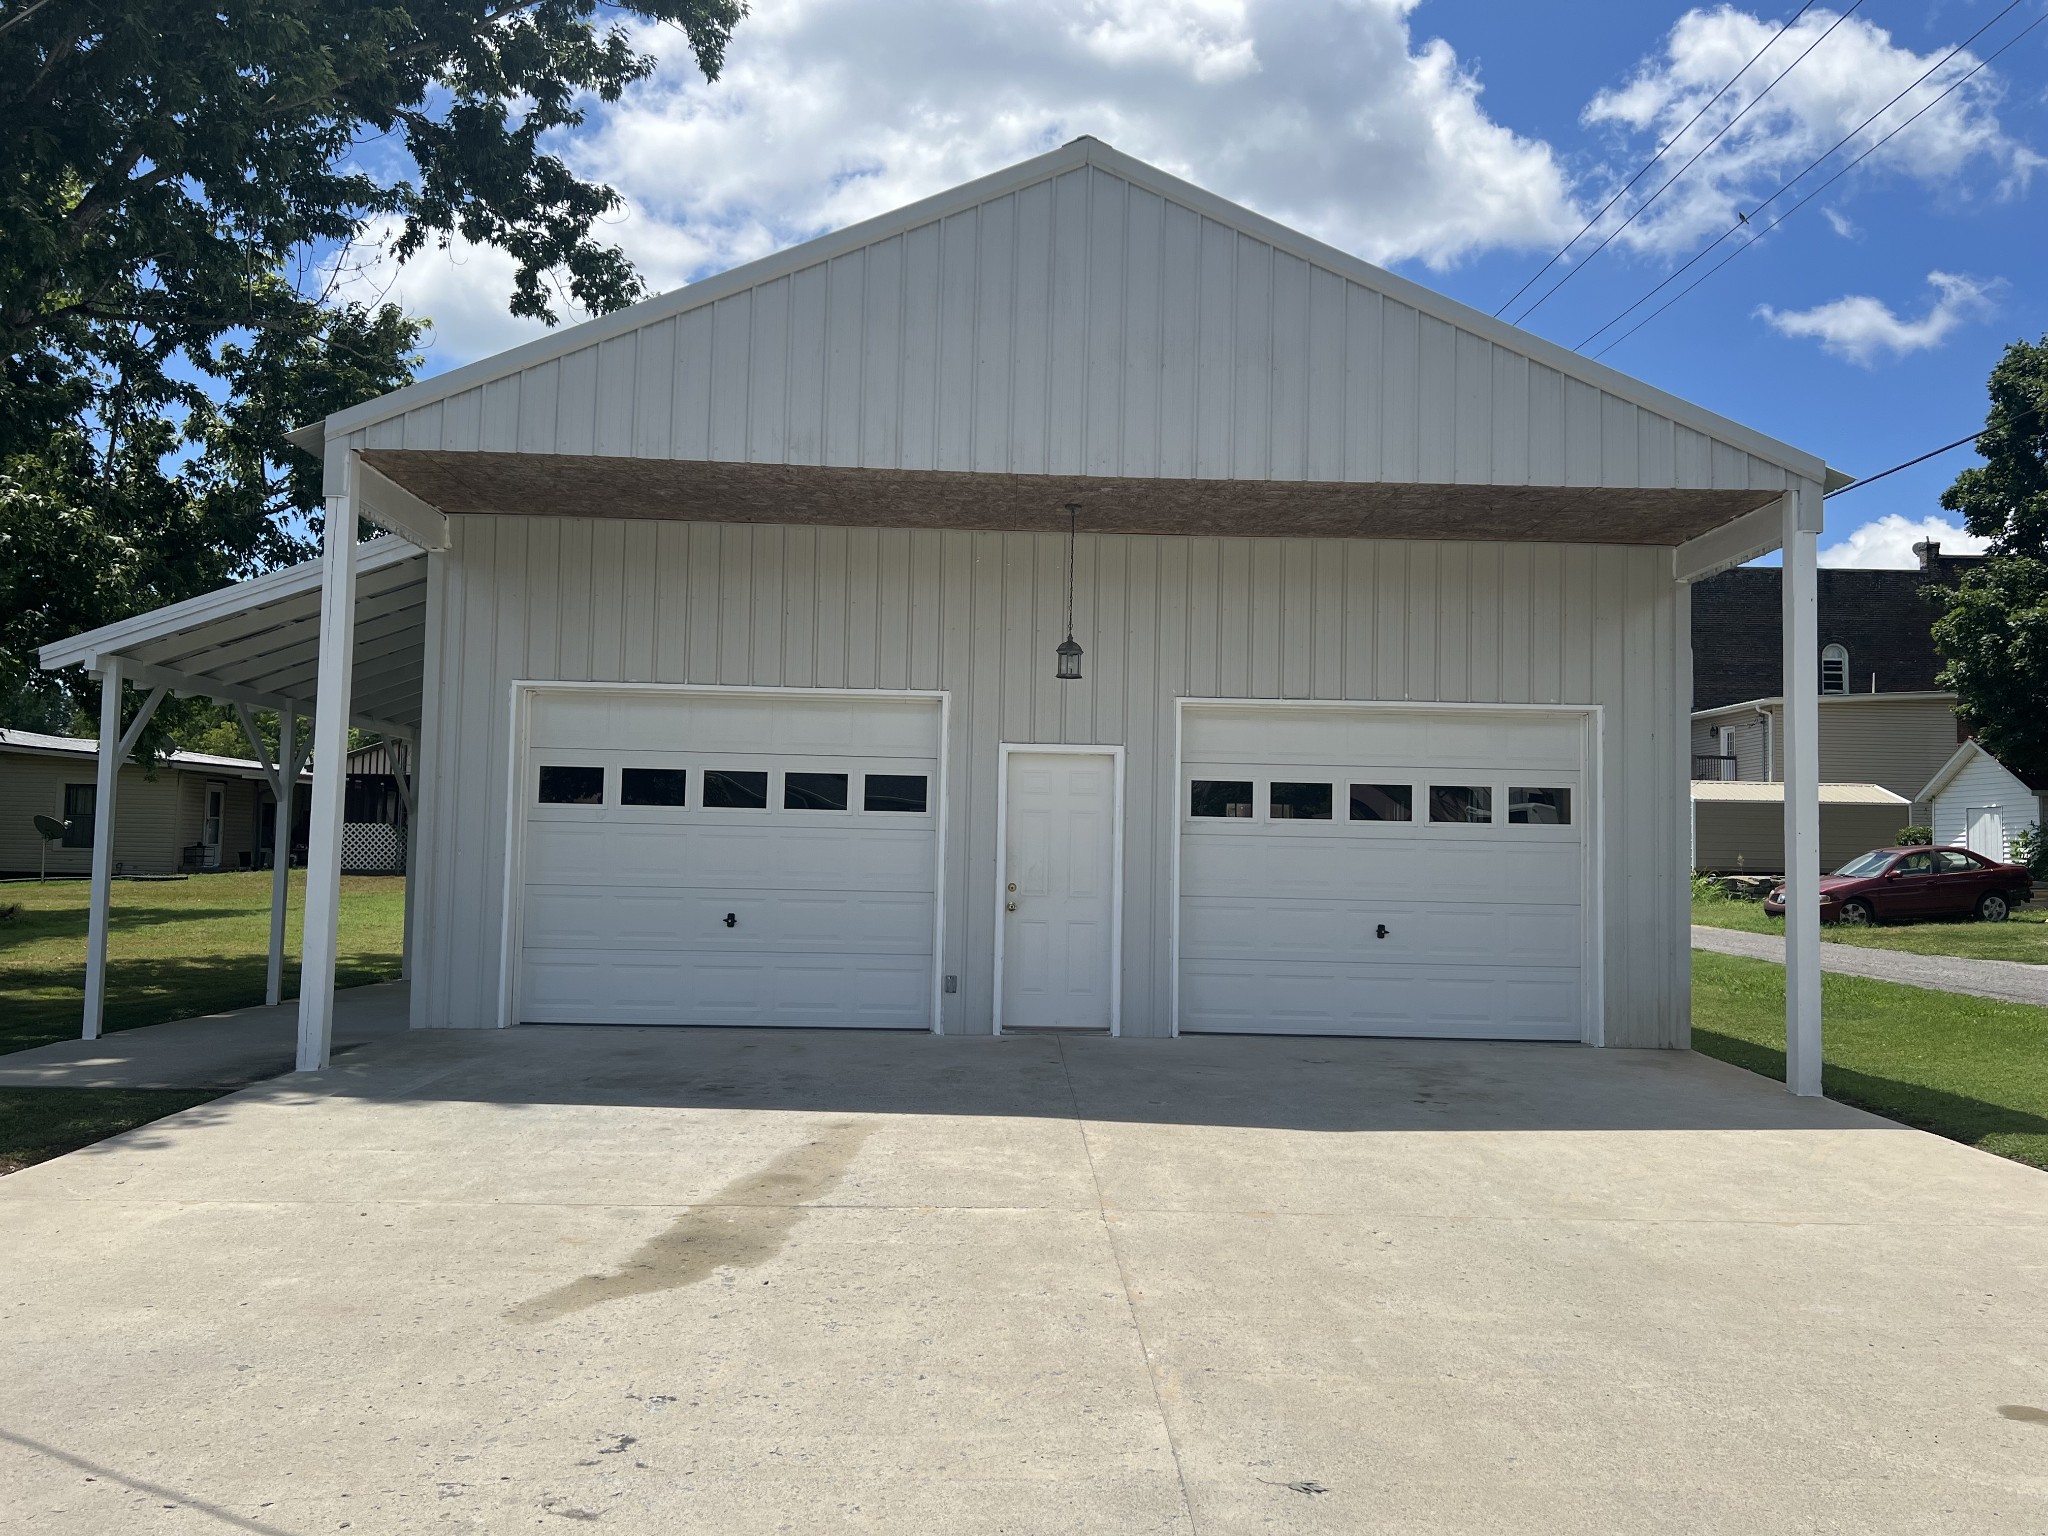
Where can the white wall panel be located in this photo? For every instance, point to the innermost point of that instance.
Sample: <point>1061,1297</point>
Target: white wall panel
<point>978,614</point>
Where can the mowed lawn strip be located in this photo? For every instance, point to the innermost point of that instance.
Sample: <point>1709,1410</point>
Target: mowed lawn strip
<point>2022,937</point>
<point>41,1123</point>
<point>176,948</point>
<point>1968,1068</point>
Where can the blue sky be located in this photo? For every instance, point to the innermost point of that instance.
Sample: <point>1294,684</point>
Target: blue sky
<point>1458,141</point>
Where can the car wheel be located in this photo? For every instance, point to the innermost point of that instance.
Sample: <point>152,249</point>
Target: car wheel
<point>1856,913</point>
<point>1992,907</point>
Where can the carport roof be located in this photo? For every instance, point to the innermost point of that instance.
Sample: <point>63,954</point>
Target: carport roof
<point>257,642</point>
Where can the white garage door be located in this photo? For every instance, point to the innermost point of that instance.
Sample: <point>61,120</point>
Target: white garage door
<point>1383,872</point>
<point>729,859</point>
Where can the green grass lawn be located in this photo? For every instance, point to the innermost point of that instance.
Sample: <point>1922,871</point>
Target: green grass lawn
<point>2023,936</point>
<point>1968,1068</point>
<point>176,948</point>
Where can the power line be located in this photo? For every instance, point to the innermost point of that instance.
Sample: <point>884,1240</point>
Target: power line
<point>1816,192</point>
<point>1643,207</point>
<point>1650,163</point>
<point>1932,453</point>
<point>1742,220</point>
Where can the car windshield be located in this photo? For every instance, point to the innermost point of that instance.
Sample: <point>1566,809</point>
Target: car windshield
<point>1865,865</point>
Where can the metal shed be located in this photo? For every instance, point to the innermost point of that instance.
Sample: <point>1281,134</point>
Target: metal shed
<point>1374,592</point>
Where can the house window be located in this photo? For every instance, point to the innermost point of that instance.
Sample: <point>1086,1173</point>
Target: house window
<point>1461,802</point>
<point>653,786</point>
<point>1534,807</point>
<point>1834,669</point>
<point>1382,802</point>
<point>79,800</point>
<point>814,791</point>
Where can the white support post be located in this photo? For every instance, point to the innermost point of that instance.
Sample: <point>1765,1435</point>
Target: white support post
<point>407,791</point>
<point>99,898</point>
<point>284,779</point>
<point>330,777</point>
<point>1800,755</point>
<point>114,746</point>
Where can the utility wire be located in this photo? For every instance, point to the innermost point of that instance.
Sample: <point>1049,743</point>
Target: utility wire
<point>1932,453</point>
<point>1649,164</point>
<point>1643,207</point>
<point>1781,218</point>
<point>1742,219</point>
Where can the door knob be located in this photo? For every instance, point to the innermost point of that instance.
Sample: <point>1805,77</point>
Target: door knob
<point>1013,886</point>
<point>732,920</point>
<point>1009,906</point>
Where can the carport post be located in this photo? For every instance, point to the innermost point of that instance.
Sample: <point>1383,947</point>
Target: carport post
<point>99,898</point>
<point>1801,758</point>
<point>115,745</point>
<point>330,773</point>
<point>407,793</point>
<point>291,758</point>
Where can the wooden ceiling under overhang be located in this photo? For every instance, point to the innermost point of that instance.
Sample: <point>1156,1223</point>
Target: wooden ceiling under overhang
<point>720,491</point>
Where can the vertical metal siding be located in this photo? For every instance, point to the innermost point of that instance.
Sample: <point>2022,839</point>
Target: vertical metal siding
<point>978,614</point>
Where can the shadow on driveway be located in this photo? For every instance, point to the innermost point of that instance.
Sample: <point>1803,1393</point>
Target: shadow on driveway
<point>1304,1084</point>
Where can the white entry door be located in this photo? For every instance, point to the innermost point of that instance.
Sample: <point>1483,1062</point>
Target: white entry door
<point>1058,954</point>
<point>1986,824</point>
<point>729,858</point>
<point>1384,871</point>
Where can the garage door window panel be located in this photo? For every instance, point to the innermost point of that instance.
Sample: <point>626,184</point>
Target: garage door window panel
<point>896,793</point>
<point>1539,807</point>
<point>1455,804</point>
<point>654,786</point>
<point>735,789</point>
<point>804,791</point>
<point>1222,798</point>
<point>1294,800</point>
<point>1382,802</point>
<point>571,784</point>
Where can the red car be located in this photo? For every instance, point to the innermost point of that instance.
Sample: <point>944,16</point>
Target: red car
<point>1913,883</point>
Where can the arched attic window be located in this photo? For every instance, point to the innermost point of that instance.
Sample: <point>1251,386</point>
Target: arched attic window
<point>1834,669</point>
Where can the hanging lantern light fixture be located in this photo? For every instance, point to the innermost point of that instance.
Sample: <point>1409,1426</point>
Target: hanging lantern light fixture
<point>1069,653</point>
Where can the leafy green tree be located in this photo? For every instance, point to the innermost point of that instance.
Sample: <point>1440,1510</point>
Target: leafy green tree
<point>179,186</point>
<point>1993,633</point>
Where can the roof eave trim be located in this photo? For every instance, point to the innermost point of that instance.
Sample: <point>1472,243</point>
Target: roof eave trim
<point>1072,156</point>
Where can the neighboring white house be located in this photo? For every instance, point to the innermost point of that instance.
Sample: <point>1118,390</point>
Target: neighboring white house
<point>191,811</point>
<point>1976,802</point>
<point>728,626</point>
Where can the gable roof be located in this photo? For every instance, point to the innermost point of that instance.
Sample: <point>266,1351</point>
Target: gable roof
<point>984,277</point>
<point>1967,754</point>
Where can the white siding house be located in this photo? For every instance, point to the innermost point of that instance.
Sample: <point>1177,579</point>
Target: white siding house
<point>1976,802</point>
<point>733,678</point>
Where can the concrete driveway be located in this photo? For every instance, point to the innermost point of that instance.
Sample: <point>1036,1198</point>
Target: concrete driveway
<point>678,1281</point>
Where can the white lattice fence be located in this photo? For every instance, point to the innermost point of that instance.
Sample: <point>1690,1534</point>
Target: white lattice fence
<point>372,848</point>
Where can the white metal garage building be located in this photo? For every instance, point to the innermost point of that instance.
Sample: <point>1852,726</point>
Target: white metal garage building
<point>735,676</point>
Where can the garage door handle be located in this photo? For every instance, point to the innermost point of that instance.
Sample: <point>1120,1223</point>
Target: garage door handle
<point>732,920</point>
<point>1381,931</point>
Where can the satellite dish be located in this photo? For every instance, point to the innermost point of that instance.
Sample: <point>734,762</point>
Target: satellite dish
<point>51,829</point>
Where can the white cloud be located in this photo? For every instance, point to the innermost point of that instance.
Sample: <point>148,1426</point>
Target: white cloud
<point>1887,544</point>
<point>1862,328</point>
<point>1328,115</point>
<point>1840,224</point>
<point>1842,82</point>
